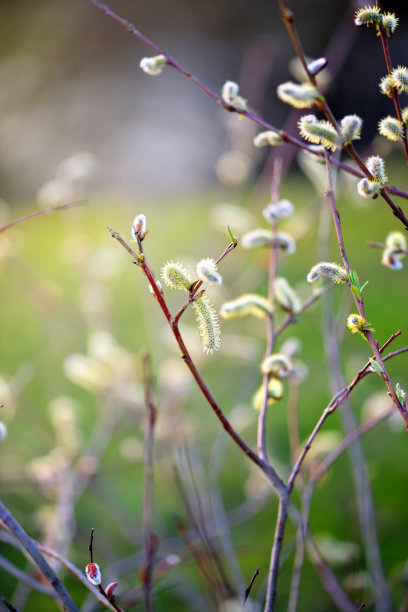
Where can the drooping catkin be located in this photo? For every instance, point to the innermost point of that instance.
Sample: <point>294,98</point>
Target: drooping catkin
<point>208,326</point>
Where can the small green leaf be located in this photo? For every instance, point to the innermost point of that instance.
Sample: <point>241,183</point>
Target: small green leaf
<point>375,366</point>
<point>400,394</point>
<point>230,234</point>
<point>356,291</point>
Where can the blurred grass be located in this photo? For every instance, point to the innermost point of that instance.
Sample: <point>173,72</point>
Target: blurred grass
<point>65,277</point>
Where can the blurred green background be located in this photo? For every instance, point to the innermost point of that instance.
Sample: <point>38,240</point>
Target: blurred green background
<point>76,313</point>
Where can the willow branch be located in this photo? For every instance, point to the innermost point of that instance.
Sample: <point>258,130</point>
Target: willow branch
<point>39,213</point>
<point>171,61</point>
<point>64,598</point>
<point>185,355</point>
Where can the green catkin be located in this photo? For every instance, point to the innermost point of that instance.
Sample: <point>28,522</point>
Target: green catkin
<point>298,96</point>
<point>391,128</point>
<point>399,77</point>
<point>176,276</point>
<point>318,132</point>
<point>396,240</point>
<point>375,165</point>
<point>269,137</point>
<point>247,304</point>
<point>278,365</point>
<point>275,393</point>
<point>386,85</point>
<point>350,128</point>
<point>208,326</point>
<point>286,296</point>
<point>368,189</point>
<point>257,238</point>
<point>367,15</point>
<point>390,23</point>
<point>324,269</point>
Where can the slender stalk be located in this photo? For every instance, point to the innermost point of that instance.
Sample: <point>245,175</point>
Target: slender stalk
<point>276,550</point>
<point>39,213</point>
<point>148,537</point>
<point>273,265</point>
<point>359,302</point>
<point>64,598</point>
<point>334,403</point>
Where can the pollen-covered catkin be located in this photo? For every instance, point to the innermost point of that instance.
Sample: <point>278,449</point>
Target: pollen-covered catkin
<point>247,304</point>
<point>318,132</point>
<point>208,326</point>
<point>176,276</point>
<point>298,96</point>
<point>325,269</point>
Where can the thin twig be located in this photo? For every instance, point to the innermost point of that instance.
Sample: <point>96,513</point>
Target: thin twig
<point>149,540</point>
<point>273,265</point>
<point>10,568</point>
<point>7,604</point>
<point>249,587</point>
<point>32,549</point>
<point>39,213</point>
<point>381,245</point>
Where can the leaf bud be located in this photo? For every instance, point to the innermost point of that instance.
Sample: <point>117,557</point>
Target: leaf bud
<point>315,66</point>
<point>139,227</point>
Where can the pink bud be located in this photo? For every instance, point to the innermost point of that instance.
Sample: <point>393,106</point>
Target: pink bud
<point>110,589</point>
<point>139,227</point>
<point>93,573</point>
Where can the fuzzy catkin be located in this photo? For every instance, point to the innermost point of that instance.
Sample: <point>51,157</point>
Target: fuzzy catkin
<point>208,326</point>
